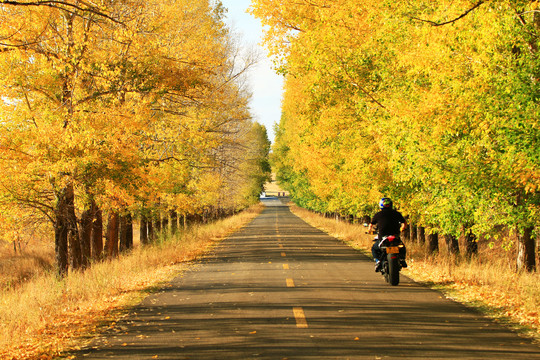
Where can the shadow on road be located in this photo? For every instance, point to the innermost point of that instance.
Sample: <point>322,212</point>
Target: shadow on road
<point>236,304</point>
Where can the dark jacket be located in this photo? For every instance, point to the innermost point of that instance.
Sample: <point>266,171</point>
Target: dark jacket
<point>388,222</point>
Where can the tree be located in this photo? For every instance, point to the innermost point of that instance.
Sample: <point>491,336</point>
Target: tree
<point>114,108</point>
<point>431,103</point>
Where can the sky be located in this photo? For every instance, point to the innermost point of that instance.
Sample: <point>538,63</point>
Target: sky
<point>264,83</point>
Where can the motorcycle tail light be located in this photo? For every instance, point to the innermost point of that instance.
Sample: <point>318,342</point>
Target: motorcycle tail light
<point>391,238</point>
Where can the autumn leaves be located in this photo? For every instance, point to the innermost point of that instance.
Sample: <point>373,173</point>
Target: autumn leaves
<point>126,107</point>
<point>381,100</point>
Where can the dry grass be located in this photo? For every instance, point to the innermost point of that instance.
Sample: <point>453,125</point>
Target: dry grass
<point>488,282</point>
<point>29,261</point>
<point>46,316</point>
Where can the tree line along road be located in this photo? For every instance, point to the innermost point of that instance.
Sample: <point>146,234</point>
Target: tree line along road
<point>281,289</point>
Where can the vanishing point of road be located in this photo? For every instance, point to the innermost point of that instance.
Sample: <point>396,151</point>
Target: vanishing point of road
<point>281,289</point>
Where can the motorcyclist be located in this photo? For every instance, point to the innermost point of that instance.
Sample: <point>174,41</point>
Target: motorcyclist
<point>388,222</point>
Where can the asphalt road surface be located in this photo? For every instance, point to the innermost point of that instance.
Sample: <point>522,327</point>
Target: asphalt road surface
<point>281,289</point>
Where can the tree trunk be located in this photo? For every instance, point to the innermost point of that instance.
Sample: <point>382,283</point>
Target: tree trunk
<point>165,224</point>
<point>66,231</point>
<point>526,257</point>
<point>73,229</point>
<point>61,231</point>
<point>122,234</point>
<point>126,232</point>
<point>471,246</point>
<point>97,232</point>
<point>129,231</point>
<point>157,224</point>
<point>413,233</point>
<point>405,234</point>
<point>421,232</point>
<point>452,244</point>
<point>86,236</point>
<point>433,243</point>
<point>174,222</point>
<point>151,234</point>
<point>143,229</point>
<point>111,244</point>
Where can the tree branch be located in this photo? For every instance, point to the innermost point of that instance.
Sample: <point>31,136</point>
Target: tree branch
<point>62,5</point>
<point>434,23</point>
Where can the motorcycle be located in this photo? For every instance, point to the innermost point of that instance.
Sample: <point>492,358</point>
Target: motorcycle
<point>392,258</point>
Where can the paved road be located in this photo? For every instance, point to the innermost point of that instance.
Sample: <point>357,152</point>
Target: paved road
<point>281,289</point>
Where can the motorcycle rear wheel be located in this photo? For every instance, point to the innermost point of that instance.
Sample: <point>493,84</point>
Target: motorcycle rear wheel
<point>393,269</point>
<point>384,270</point>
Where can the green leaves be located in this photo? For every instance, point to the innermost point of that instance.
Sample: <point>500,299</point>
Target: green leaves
<point>434,104</point>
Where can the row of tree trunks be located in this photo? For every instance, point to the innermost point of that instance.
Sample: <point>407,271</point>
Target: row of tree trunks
<point>91,230</point>
<point>526,245</point>
<point>418,234</point>
<point>151,226</point>
<point>77,243</point>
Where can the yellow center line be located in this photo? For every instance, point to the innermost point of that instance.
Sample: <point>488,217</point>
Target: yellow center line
<point>285,266</point>
<point>290,282</point>
<point>300,317</point>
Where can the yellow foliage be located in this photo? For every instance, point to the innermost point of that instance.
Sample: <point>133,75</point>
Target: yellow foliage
<point>132,104</point>
<point>430,103</point>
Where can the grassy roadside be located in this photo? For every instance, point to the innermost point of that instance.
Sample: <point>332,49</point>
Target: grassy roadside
<point>491,286</point>
<point>47,316</point>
